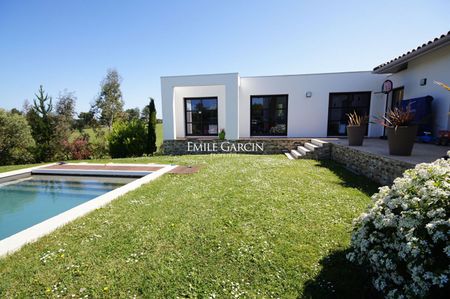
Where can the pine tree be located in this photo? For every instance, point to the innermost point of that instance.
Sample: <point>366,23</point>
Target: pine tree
<point>151,138</point>
<point>42,125</point>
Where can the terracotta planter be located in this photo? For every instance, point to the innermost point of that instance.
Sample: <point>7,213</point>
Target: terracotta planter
<point>355,135</point>
<point>401,140</point>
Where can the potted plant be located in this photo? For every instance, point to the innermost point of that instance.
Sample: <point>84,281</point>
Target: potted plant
<point>222,134</point>
<point>356,128</point>
<point>400,130</point>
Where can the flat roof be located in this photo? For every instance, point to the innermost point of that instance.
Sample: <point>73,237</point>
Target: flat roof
<point>311,74</point>
<point>215,74</point>
<point>262,76</point>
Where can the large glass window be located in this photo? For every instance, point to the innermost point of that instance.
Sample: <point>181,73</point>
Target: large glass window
<point>201,116</point>
<point>343,103</point>
<point>268,115</point>
<point>397,97</point>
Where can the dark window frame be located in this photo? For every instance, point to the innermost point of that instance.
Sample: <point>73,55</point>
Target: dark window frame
<point>394,91</point>
<point>191,122</point>
<point>349,108</point>
<point>271,96</point>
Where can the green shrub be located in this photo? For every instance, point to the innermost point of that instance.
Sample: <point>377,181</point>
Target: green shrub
<point>16,142</point>
<point>127,139</point>
<point>99,143</point>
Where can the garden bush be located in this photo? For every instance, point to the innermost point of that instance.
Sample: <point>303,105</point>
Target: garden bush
<point>403,239</point>
<point>99,143</point>
<point>78,149</point>
<point>127,139</point>
<point>16,141</point>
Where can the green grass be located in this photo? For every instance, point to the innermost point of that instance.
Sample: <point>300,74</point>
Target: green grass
<point>244,226</point>
<point>159,135</point>
<point>15,167</point>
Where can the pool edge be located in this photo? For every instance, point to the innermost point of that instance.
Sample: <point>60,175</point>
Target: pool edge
<point>13,243</point>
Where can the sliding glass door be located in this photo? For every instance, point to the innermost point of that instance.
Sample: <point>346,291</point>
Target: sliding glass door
<point>201,116</point>
<point>268,116</point>
<point>343,103</point>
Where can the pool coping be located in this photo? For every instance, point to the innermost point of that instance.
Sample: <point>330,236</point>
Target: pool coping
<point>33,233</point>
<point>22,171</point>
<point>97,172</point>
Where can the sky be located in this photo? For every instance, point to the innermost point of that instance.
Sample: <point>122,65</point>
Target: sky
<point>69,45</point>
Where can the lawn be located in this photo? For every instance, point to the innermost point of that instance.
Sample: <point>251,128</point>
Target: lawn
<point>6,168</point>
<point>244,226</point>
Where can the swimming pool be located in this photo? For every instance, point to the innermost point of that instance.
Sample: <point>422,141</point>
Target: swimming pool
<point>28,201</point>
<point>38,200</point>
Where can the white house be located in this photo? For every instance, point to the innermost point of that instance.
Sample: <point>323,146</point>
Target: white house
<point>415,72</point>
<point>307,105</point>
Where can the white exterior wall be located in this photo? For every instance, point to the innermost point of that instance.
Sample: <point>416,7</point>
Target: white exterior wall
<point>180,93</point>
<point>174,89</point>
<point>433,66</point>
<point>308,117</point>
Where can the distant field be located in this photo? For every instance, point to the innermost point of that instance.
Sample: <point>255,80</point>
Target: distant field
<point>159,135</point>
<point>89,131</point>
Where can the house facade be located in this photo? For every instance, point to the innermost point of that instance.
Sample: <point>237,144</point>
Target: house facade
<point>306,105</point>
<point>413,75</point>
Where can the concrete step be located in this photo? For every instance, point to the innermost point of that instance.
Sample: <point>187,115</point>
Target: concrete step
<point>289,156</point>
<point>318,142</point>
<point>303,150</point>
<point>296,154</point>
<point>311,146</point>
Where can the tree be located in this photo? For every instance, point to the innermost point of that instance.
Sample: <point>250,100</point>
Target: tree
<point>16,142</point>
<point>86,119</point>
<point>109,104</point>
<point>64,118</point>
<point>151,128</point>
<point>145,114</point>
<point>42,125</point>
<point>16,111</point>
<point>65,107</point>
<point>26,107</point>
<point>132,113</point>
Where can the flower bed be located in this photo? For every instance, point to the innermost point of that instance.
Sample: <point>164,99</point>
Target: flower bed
<point>404,237</point>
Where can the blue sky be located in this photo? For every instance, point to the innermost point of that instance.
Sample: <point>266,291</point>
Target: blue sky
<point>70,44</point>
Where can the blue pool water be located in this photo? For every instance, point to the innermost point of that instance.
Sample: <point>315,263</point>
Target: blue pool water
<point>26,202</point>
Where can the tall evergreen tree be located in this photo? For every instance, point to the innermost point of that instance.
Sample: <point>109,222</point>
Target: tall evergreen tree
<point>151,133</point>
<point>109,104</point>
<point>42,125</point>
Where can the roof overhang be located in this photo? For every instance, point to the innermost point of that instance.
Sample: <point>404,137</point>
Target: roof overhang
<point>400,63</point>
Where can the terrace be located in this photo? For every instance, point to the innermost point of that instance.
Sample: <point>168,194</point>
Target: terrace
<point>422,152</point>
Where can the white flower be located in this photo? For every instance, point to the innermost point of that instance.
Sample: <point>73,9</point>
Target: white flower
<point>407,228</point>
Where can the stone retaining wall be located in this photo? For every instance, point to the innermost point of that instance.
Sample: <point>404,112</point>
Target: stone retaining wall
<point>244,146</point>
<point>379,169</point>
